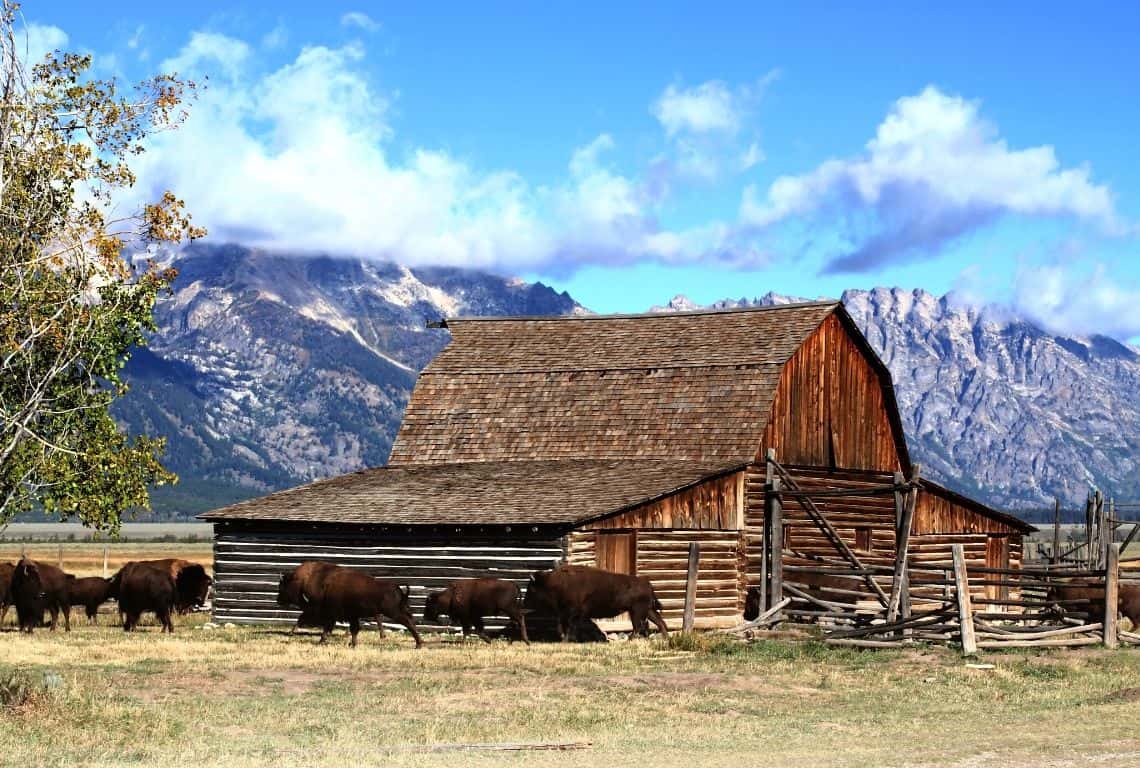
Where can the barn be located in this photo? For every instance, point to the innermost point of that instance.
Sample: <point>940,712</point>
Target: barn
<point>618,441</point>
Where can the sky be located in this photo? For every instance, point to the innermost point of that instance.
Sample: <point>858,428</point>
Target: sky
<point>628,154</point>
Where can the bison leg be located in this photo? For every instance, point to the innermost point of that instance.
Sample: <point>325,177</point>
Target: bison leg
<point>326,630</point>
<point>480,629</point>
<point>54,611</point>
<point>655,615</point>
<point>517,616</point>
<point>406,620</point>
<point>66,617</point>
<point>466,630</point>
<point>353,631</point>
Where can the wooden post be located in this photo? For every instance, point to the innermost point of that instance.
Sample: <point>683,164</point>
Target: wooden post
<point>904,515</point>
<point>691,587</point>
<point>104,561</point>
<point>59,558</point>
<point>776,570</point>
<point>965,609</point>
<point>766,549</point>
<point>1128,539</point>
<point>1111,596</point>
<point>1089,530</point>
<point>1056,558</point>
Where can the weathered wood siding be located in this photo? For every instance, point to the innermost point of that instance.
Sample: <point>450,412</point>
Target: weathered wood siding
<point>249,562</point>
<point>662,557</point>
<point>936,513</point>
<point>829,409</point>
<point>716,504</point>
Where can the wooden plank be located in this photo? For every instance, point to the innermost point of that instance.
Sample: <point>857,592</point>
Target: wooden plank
<point>691,587</point>
<point>899,585</point>
<point>776,516</point>
<point>1111,595</point>
<point>965,611</point>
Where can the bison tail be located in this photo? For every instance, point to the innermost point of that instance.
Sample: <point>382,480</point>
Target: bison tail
<point>657,604</point>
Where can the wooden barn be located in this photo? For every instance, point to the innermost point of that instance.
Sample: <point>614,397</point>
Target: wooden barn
<point>617,441</point>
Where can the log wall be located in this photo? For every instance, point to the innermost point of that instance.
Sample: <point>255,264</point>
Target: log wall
<point>248,564</point>
<point>662,557</point>
<point>716,504</point>
<point>829,409</point>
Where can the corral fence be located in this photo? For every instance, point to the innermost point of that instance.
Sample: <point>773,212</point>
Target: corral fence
<point>933,595</point>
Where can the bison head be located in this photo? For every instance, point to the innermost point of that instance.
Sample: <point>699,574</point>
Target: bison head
<point>289,594</point>
<point>437,603</point>
<point>752,604</point>
<point>193,587</point>
<point>537,593</point>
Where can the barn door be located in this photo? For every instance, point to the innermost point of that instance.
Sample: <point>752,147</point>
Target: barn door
<point>617,552</point>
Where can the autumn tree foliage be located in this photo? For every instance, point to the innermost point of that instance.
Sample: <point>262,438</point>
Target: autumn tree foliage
<point>72,305</point>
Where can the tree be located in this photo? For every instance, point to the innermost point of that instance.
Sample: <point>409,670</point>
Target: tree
<point>72,305</point>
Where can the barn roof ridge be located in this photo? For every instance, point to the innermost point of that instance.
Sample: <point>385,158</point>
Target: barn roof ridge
<point>443,322</point>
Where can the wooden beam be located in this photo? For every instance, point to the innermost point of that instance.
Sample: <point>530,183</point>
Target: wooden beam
<point>1111,596</point>
<point>691,587</point>
<point>776,569</point>
<point>965,610</point>
<point>829,531</point>
<point>1056,558</point>
<point>904,518</point>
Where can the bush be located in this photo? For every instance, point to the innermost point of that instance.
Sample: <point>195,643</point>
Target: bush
<point>21,689</point>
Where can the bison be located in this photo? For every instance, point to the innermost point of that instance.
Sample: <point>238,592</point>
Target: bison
<point>1127,603</point>
<point>140,587</point>
<point>191,582</point>
<point>468,601</point>
<point>330,593</point>
<point>576,592</point>
<point>6,571</point>
<point>37,587</point>
<point>90,592</point>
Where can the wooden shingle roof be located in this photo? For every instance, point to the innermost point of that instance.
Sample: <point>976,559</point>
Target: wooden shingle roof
<point>694,386</point>
<point>566,493</point>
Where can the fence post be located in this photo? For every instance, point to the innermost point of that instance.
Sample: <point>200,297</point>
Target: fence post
<point>691,587</point>
<point>104,561</point>
<point>776,570</point>
<point>965,610</point>
<point>59,558</point>
<point>904,514</point>
<point>1111,596</point>
<point>1056,530</point>
<point>766,544</point>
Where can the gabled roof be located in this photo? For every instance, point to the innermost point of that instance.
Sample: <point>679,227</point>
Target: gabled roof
<point>693,386</point>
<point>1015,523</point>
<point>565,493</point>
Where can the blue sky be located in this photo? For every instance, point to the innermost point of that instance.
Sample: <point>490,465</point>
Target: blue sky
<point>630,154</point>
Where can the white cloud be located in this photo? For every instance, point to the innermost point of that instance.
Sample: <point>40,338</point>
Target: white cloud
<point>707,108</point>
<point>210,53</point>
<point>934,171</point>
<point>301,158</point>
<point>41,39</point>
<point>1080,301</point>
<point>361,20</point>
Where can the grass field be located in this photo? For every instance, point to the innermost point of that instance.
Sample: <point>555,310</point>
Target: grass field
<point>259,697</point>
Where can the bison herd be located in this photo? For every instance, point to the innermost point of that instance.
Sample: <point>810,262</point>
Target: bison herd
<point>570,597</point>
<point>162,587</point>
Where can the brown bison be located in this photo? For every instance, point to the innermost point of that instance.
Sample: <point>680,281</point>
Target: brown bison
<point>90,592</point>
<point>140,587</point>
<point>1127,603</point>
<point>576,592</point>
<point>37,587</point>
<point>330,593</point>
<point>191,582</point>
<point>468,601</point>
<point>6,571</point>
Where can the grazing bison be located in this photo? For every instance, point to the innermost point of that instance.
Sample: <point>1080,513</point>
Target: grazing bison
<point>90,592</point>
<point>37,587</point>
<point>468,601</point>
<point>1127,603</point>
<point>191,582</point>
<point>329,593</point>
<point>6,571</point>
<point>141,587</point>
<point>576,592</point>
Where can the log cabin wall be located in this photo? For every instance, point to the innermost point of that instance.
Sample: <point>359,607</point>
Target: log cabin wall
<point>662,557</point>
<point>249,561</point>
<point>716,504</point>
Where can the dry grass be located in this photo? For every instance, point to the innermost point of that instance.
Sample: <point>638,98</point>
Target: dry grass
<point>86,559</point>
<point>259,697</point>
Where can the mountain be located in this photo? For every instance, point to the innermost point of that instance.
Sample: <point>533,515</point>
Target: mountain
<point>269,370</point>
<point>994,405</point>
